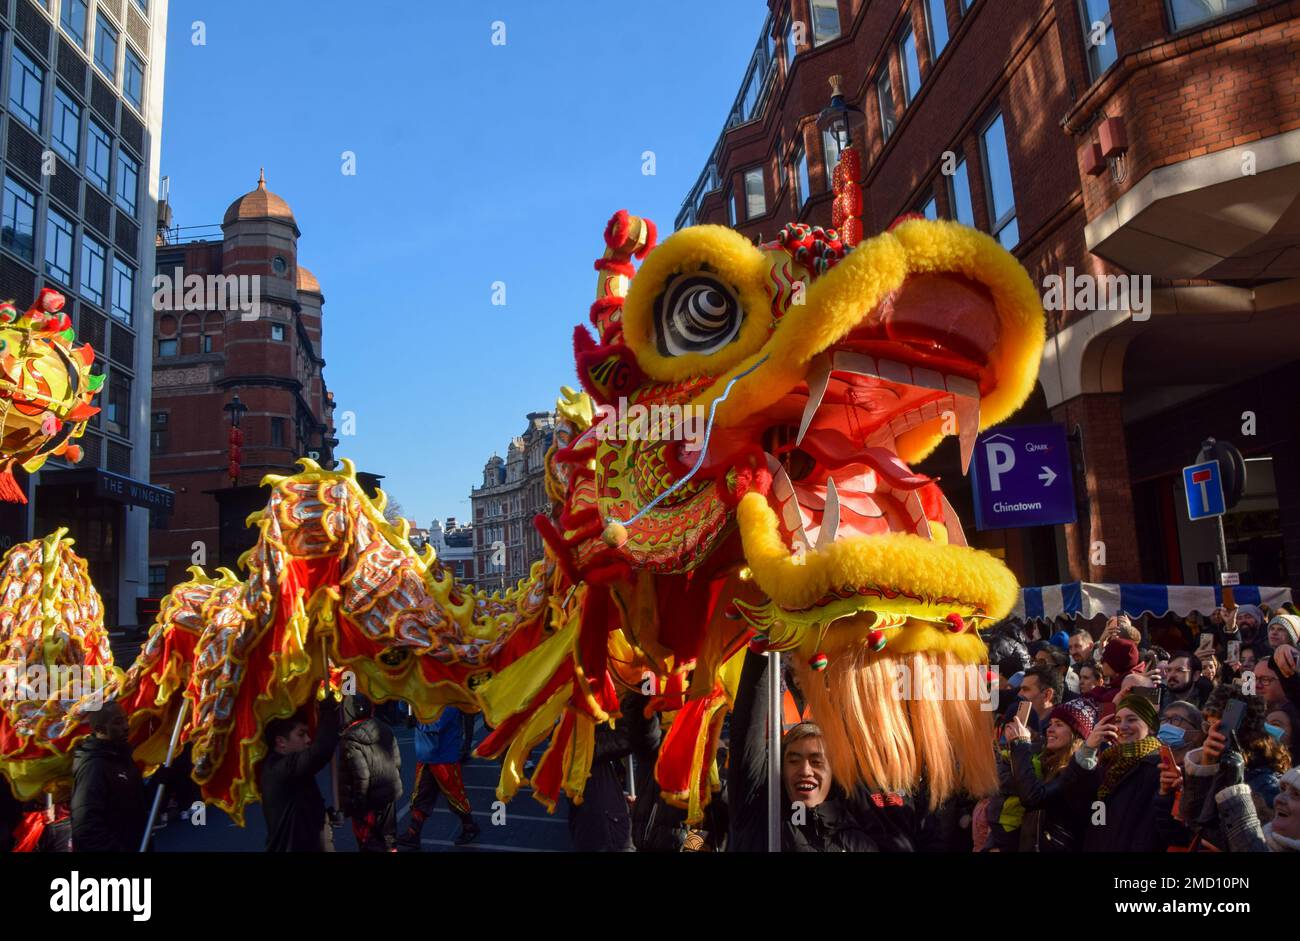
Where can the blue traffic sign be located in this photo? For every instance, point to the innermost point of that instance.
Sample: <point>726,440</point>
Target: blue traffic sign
<point>1204,489</point>
<point>1021,477</point>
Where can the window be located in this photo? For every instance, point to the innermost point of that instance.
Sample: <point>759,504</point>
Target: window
<point>1186,13</point>
<point>19,220</point>
<point>1098,36</point>
<point>801,188</point>
<point>997,183</point>
<point>128,181</point>
<point>791,47</point>
<point>931,208</point>
<point>825,21</point>
<point>99,151</point>
<point>105,47</point>
<point>167,347</point>
<point>207,343</point>
<point>157,581</point>
<point>959,195</point>
<point>58,247</point>
<point>123,291</point>
<point>749,99</point>
<point>731,206</point>
<point>73,20</point>
<point>143,5</point>
<point>117,411</point>
<point>755,194</point>
<point>133,79</point>
<point>92,270</point>
<point>67,126</point>
<point>911,64</point>
<point>277,432</point>
<point>936,18</point>
<point>277,331</point>
<point>885,94</point>
<point>26,88</point>
<point>831,151</point>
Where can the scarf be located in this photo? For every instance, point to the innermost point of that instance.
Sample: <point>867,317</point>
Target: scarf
<point>1121,759</point>
<point>1277,843</point>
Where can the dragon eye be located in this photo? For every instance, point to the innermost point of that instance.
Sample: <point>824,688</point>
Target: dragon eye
<point>696,313</point>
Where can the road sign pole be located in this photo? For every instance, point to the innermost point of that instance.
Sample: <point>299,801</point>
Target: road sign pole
<point>774,752</point>
<point>1223,546</point>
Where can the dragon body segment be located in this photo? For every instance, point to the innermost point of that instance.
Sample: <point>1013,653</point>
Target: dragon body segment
<point>790,518</point>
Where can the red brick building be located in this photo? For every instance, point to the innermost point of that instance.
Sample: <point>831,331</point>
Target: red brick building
<point>236,315</point>
<point>995,113</point>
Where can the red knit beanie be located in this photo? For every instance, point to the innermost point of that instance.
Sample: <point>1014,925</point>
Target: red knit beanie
<point>1121,654</point>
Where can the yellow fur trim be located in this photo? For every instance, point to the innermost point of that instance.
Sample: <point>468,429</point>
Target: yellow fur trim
<point>837,302</point>
<point>735,261</point>
<point>899,561</point>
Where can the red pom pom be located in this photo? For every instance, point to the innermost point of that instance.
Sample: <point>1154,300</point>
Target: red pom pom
<point>956,623</point>
<point>877,640</point>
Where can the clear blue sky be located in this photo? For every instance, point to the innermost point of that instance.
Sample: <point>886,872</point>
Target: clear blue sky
<point>475,163</point>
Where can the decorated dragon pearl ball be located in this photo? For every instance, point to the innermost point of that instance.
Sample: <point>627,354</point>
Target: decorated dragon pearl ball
<point>818,661</point>
<point>877,640</point>
<point>615,535</point>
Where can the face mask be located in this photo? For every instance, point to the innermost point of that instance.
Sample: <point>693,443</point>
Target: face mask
<point>1274,730</point>
<point>1171,735</point>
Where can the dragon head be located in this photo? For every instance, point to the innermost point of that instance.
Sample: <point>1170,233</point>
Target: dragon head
<point>785,391</point>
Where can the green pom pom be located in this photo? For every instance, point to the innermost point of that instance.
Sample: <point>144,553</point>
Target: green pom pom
<point>69,334</point>
<point>95,383</point>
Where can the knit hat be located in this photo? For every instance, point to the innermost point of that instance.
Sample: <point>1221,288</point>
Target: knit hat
<point>1143,708</point>
<point>1121,654</point>
<point>1289,623</point>
<point>1079,714</point>
<point>1061,639</point>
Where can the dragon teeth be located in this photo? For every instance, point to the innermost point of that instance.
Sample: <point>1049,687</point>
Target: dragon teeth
<point>818,379</point>
<point>830,516</point>
<point>968,427</point>
<point>952,523</point>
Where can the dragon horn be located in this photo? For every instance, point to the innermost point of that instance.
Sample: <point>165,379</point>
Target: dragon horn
<point>626,237</point>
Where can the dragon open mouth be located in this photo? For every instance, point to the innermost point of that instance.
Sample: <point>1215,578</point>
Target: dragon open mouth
<point>831,445</point>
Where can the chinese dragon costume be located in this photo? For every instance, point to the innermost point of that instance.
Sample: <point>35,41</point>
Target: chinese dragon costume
<point>826,371</point>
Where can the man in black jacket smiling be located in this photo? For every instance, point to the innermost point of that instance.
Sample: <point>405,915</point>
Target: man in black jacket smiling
<point>108,802</point>
<point>826,819</point>
<point>291,801</point>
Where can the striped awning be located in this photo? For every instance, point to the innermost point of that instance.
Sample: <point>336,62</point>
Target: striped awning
<point>1089,600</point>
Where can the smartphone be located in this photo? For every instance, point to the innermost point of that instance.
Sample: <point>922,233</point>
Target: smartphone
<point>1167,756</point>
<point>1234,651</point>
<point>1022,712</point>
<point>1233,713</point>
<point>1149,693</point>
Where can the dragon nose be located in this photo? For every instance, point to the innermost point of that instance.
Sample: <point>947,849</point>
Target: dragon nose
<point>947,311</point>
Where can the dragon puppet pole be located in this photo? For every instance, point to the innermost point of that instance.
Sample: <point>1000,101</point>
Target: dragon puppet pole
<point>774,752</point>
<point>162,783</point>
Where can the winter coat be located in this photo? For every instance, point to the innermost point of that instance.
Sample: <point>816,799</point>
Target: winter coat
<point>291,800</point>
<point>109,809</point>
<point>1130,807</point>
<point>439,742</point>
<point>370,767</point>
<point>1054,818</point>
<point>602,821</point>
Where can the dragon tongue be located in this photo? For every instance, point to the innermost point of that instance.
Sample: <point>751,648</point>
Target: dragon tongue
<point>889,466</point>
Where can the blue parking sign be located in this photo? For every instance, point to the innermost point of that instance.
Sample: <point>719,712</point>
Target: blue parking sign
<point>1204,489</point>
<point>1021,477</point>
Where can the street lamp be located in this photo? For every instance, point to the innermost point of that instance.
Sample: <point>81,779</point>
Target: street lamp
<point>842,119</point>
<point>236,409</point>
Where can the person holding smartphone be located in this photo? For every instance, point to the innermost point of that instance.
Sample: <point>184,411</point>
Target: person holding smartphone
<point>1234,722</point>
<point>1116,774</point>
<point>1054,817</point>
